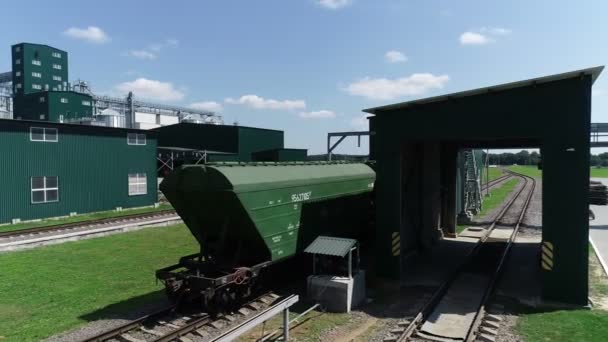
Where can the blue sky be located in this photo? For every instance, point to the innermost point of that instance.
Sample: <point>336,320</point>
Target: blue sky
<point>310,66</point>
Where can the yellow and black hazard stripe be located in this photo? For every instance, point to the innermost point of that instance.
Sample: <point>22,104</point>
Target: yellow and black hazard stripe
<point>546,260</point>
<point>396,239</point>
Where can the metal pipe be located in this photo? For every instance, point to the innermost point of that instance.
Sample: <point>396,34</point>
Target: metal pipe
<point>286,324</point>
<point>270,334</point>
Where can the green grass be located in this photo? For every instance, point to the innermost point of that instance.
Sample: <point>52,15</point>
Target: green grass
<point>497,196</point>
<point>493,173</point>
<point>570,325</point>
<point>599,172</point>
<point>81,218</point>
<point>52,289</point>
<point>528,170</point>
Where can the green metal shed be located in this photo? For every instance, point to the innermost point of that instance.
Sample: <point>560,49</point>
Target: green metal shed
<point>415,139</point>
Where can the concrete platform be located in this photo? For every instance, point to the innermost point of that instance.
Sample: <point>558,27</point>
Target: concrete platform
<point>434,266</point>
<point>598,230</point>
<point>456,311</point>
<point>337,294</point>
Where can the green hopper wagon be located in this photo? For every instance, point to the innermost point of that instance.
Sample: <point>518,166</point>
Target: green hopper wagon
<point>248,216</point>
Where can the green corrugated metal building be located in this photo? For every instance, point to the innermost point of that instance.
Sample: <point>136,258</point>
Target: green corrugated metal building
<point>41,85</point>
<point>52,169</point>
<point>236,143</point>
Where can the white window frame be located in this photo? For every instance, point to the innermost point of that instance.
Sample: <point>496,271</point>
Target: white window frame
<point>86,103</point>
<point>44,134</point>
<point>44,189</point>
<point>57,66</point>
<point>56,54</point>
<point>17,73</point>
<point>18,61</point>
<point>139,181</point>
<point>17,48</point>
<point>36,62</point>
<point>56,78</point>
<point>37,86</point>
<point>36,74</point>
<point>42,99</point>
<point>136,139</point>
<point>18,85</point>
<point>64,100</point>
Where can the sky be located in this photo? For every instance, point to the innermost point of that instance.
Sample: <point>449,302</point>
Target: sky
<point>309,67</point>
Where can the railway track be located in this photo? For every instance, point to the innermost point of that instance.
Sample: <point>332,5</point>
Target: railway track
<point>495,181</point>
<point>41,235</point>
<point>457,309</point>
<point>168,325</point>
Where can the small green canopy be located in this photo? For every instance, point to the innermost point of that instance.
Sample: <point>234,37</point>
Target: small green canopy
<point>327,245</point>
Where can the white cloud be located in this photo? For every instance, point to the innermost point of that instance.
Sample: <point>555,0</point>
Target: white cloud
<point>334,4</point>
<point>394,56</point>
<point>474,38</point>
<point>210,106</point>
<point>92,34</point>
<point>152,51</point>
<point>151,89</point>
<point>498,31</point>
<point>257,102</point>
<point>482,36</point>
<point>388,89</point>
<point>319,114</point>
<point>361,123</point>
<point>142,54</point>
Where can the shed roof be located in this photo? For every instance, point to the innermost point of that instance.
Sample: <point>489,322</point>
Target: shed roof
<point>594,72</point>
<point>328,245</point>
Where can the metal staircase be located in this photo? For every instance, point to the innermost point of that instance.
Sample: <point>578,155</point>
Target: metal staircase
<point>472,186</point>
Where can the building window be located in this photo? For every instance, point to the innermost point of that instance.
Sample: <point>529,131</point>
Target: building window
<point>136,139</point>
<point>54,88</point>
<point>42,99</point>
<point>45,189</point>
<point>56,54</point>
<point>64,100</point>
<point>18,74</point>
<point>36,62</point>
<point>57,66</point>
<point>42,117</point>
<point>56,78</point>
<point>36,74</point>
<point>138,184</point>
<point>18,86</point>
<point>18,61</point>
<point>86,103</point>
<point>44,134</point>
<point>18,49</point>
<point>36,86</point>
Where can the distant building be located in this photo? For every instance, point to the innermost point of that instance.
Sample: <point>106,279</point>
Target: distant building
<point>41,87</point>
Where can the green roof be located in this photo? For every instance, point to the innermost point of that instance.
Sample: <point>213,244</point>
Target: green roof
<point>327,245</point>
<point>267,176</point>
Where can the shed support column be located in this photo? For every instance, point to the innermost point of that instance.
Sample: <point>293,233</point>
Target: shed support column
<point>565,245</point>
<point>430,194</point>
<point>449,158</point>
<point>388,210</point>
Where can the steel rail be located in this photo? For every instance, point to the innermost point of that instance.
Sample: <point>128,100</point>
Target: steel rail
<point>75,225</point>
<point>498,272</point>
<point>495,181</point>
<point>112,333</point>
<point>440,292</point>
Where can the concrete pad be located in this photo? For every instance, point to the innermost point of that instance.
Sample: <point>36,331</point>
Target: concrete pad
<point>473,232</point>
<point>500,234</point>
<point>434,266</point>
<point>598,230</point>
<point>456,311</point>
